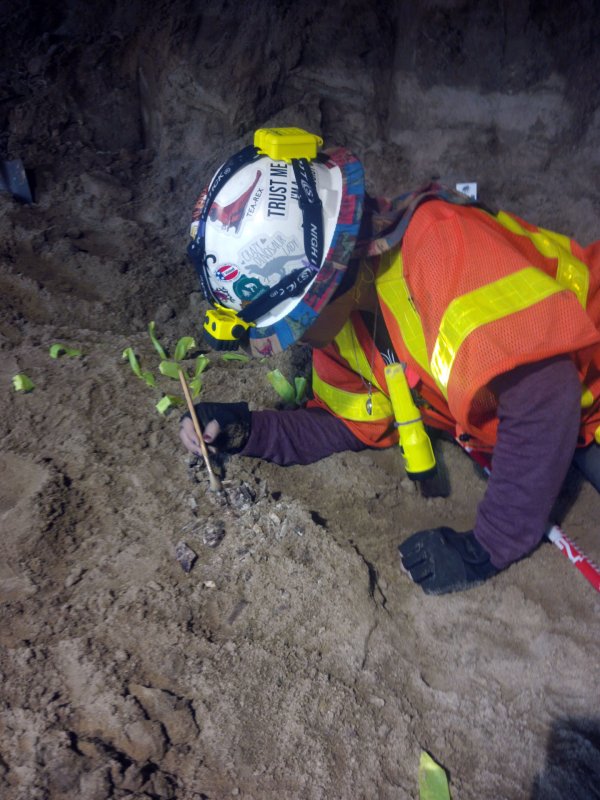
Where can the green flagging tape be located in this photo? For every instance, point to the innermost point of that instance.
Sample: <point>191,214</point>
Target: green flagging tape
<point>58,349</point>
<point>300,385</point>
<point>170,369</point>
<point>282,386</point>
<point>157,345</point>
<point>147,377</point>
<point>167,402</point>
<point>21,383</point>
<point>292,395</point>
<point>433,783</point>
<point>183,347</point>
<point>195,387</point>
<point>202,363</point>
<point>234,357</point>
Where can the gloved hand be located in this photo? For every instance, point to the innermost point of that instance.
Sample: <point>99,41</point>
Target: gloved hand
<point>442,560</point>
<point>225,427</point>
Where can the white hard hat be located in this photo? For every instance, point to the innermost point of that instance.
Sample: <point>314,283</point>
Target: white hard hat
<point>272,235</point>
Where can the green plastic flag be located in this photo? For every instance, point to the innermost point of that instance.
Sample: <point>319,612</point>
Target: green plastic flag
<point>170,369</point>
<point>202,363</point>
<point>282,386</point>
<point>157,345</point>
<point>58,349</point>
<point>195,387</point>
<point>433,783</point>
<point>147,377</point>
<point>300,386</point>
<point>21,383</point>
<point>167,402</point>
<point>183,347</point>
<point>290,394</point>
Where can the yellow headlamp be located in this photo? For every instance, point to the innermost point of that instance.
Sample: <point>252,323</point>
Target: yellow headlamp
<point>284,144</point>
<point>223,328</point>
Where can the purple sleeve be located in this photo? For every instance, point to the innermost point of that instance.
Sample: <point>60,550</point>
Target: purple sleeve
<point>298,437</point>
<point>539,414</point>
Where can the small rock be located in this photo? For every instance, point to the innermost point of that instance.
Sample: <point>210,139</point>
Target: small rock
<point>121,656</point>
<point>378,702</point>
<point>186,556</point>
<point>241,497</point>
<point>133,779</point>
<point>281,530</point>
<point>74,577</point>
<point>408,486</point>
<point>218,499</point>
<point>213,534</point>
<point>144,740</point>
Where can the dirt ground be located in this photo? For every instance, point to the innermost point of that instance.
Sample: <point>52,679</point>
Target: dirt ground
<point>294,660</point>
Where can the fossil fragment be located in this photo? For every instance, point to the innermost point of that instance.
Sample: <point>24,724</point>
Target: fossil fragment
<point>186,556</point>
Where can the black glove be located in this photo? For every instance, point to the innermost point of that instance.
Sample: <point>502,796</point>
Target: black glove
<point>442,560</point>
<point>234,421</point>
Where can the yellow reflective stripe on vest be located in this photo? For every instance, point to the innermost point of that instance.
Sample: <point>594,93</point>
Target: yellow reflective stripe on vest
<point>571,273</point>
<point>493,301</point>
<point>350,349</point>
<point>350,405</point>
<point>394,291</point>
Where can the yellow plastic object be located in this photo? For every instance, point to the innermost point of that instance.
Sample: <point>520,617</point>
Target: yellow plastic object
<point>597,435</point>
<point>283,144</point>
<point>433,783</point>
<point>223,328</point>
<point>587,398</point>
<point>415,444</point>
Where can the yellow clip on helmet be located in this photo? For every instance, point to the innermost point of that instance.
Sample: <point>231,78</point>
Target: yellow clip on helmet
<point>272,235</point>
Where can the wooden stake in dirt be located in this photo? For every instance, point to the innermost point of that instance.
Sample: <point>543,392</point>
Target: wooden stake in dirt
<point>215,483</point>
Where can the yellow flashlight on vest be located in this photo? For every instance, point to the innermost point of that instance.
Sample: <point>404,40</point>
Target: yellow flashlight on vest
<point>415,445</point>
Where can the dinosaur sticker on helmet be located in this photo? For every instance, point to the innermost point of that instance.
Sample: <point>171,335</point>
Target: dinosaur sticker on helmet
<point>275,269</point>
<point>231,215</point>
<point>263,250</point>
<point>254,202</point>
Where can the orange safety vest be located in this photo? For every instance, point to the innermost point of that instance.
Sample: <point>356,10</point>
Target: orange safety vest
<point>468,297</point>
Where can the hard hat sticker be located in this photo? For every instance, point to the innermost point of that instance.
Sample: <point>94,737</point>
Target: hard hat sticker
<point>228,272</point>
<point>231,215</point>
<point>248,288</point>
<point>254,202</point>
<point>266,257</point>
<point>223,296</point>
<point>281,189</point>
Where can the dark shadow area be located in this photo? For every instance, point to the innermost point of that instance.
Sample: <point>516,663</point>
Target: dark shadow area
<point>438,485</point>
<point>568,495</point>
<point>572,769</point>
